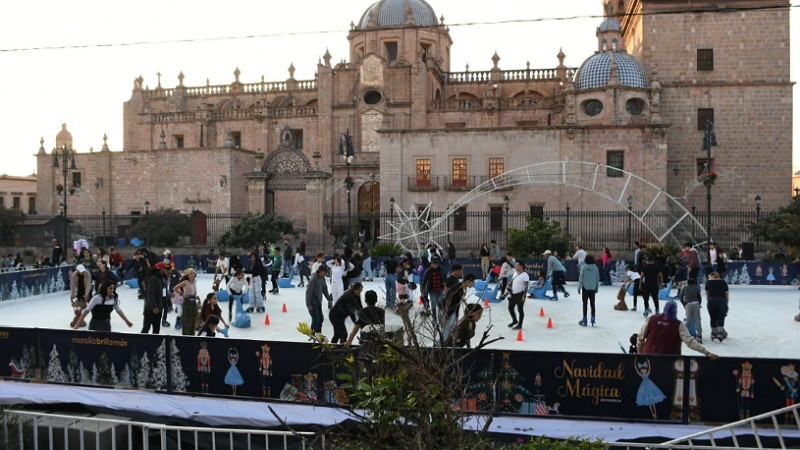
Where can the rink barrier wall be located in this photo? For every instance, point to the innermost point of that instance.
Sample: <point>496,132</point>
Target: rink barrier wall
<point>682,389</point>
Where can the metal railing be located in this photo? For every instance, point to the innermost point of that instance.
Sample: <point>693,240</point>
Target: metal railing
<point>37,430</point>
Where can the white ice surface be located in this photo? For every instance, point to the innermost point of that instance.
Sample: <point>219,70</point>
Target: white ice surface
<point>760,322</point>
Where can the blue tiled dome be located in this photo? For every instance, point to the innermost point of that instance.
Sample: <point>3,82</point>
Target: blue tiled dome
<point>596,71</point>
<point>389,13</point>
<point>609,25</point>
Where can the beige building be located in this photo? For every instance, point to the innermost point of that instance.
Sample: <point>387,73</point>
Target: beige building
<point>18,193</point>
<point>427,133</point>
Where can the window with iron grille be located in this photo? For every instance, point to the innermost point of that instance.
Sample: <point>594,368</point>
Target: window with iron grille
<point>31,205</point>
<point>460,172</point>
<point>705,59</point>
<point>76,179</point>
<point>495,218</point>
<point>497,166</point>
<point>16,203</point>
<point>704,115</point>
<point>537,211</point>
<point>460,219</point>
<point>615,159</point>
<point>423,172</point>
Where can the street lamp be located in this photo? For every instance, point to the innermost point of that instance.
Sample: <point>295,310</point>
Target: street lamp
<point>567,227</point>
<point>347,153</point>
<point>507,202</point>
<point>146,216</point>
<point>709,140</point>
<point>104,226</point>
<point>147,207</point>
<point>67,158</point>
<point>758,214</point>
<point>630,218</point>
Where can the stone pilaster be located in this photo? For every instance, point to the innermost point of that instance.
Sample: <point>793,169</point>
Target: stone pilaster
<point>316,181</point>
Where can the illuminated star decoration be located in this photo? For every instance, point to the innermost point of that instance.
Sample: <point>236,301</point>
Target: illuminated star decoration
<point>728,175</point>
<point>412,229</point>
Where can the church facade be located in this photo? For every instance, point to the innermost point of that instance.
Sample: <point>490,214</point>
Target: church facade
<point>423,132</point>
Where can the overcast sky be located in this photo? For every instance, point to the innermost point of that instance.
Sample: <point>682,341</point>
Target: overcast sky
<point>85,87</point>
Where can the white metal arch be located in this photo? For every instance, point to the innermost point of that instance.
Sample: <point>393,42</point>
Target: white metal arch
<point>660,213</point>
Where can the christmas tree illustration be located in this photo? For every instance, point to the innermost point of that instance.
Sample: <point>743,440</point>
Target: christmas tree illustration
<point>143,374</point>
<point>483,391</point>
<point>74,367</point>
<point>104,376</point>
<point>55,371</point>
<point>511,392</point>
<point>744,276</point>
<point>158,376</point>
<point>180,382</point>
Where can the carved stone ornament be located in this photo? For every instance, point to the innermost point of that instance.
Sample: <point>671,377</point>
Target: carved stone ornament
<point>372,71</point>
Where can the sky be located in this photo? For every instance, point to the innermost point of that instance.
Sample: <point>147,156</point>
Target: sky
<point>86,86</point>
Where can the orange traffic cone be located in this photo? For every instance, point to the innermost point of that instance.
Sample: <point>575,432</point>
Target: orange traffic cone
<point>541,312</point>
<point>485,302</point>
<point>266,320</point>
<point>284,308</point>
<point>550,323</point>
<point>519,335</point>
<point>420,301</point>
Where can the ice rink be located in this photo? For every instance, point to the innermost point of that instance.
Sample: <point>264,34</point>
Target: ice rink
<point>760,322</point>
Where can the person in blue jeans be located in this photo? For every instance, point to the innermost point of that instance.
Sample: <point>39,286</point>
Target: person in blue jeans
<point>432,285</point>
<point>366,262</point>
<point>391,269</point>
<point>315,292</point>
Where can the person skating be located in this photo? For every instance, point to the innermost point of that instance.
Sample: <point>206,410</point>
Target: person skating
<point>465,329</point>
<point>456,295</point>
<point>556,270</point>
<point>347,306</point>
<point>315,292</point>
<point>692,303</point>
<point>80,292</point>
<point>155,297</point>
<point>301,266</point>
<point>101,306</point>
<point>717,298</point>
<point>518,289</point>
<point>286,261</point>
<point>236,288</point>
<point>662,334</point>
<point>588,284</point>
<point>257,271</point>
<point>506,273</point>
<point>187,309</point>
<point>277,262</point>
<point>371,319</point>
<point>338,267</point>
<point>652,280</point>
<point>432,287</point>
<point>632,278</point>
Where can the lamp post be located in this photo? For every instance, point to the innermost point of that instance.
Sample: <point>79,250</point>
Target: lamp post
<point>567,224</point>
<point>104,226</point>
<point>709,140</point>
<point>347,153</point>
<point>507,202</point>
<point>146,216</point>
<point>758,214</point>
<point>67,158</point>
<point>630,218</point>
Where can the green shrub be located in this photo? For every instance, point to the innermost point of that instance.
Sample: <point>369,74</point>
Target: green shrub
<point>386,249</point>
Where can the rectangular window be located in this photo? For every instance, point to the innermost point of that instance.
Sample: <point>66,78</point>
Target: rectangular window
<point>459,172</point>
<point>76,179</point>
<point>236,136</point>
<point>2,202</point>
<point>31,205</point>
<point>537,211</point>
<point>17,202</point>
<point>297,138</point>
<point>615,159</point>
<point>391,51</point>
<point>497,166</point>
<point>426,51</point>
<point>460,219</point>
<point>496,218</point>
<point>701,166</point>
<point>705,59</point>
<point>177,140</point>
<point>704,115</point>
<point>423,173</point>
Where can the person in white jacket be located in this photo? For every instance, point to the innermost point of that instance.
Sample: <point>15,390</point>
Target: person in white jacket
<point>338,267</point>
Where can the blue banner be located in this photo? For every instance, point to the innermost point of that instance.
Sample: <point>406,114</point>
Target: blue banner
<point>25,283</point>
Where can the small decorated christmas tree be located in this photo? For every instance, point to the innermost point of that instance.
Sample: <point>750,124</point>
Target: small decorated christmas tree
<point>125,377</point>
<point>60,284</point>
<point>74,367</point>
<point>15,294</point>
<point>158,376</point>
<point>180,382</point>
<point>511,393</point>
<point>55,371</point>
<point>104,376</point>
<point>133,365</point>
<point>143,375</point>
<point>744,276</point>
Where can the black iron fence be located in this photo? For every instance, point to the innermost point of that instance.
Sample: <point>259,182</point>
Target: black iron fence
<point>199,230</point>
<point>593,229</point>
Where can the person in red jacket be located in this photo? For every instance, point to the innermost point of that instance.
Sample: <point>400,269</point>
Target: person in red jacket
<point>662,334</point>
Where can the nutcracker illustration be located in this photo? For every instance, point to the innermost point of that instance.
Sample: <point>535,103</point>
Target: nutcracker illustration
<point>745,388</point>
<point>203,366</point>
<point>789,385</point>
<point>265,370</point>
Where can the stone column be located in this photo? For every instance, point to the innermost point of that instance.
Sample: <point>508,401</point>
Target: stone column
<point>256,192</point>
<point>316,181</point>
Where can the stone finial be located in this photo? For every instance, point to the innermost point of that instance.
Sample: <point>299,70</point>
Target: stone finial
<point>327,58</point>
<point>291,71</point>
<point>181,76</point>
<point>105,143</point>
<point>91,149</point>
<point>409,13</point>
<point>137,83</point>
<point>561,57</point>
<point>466,67</point>
<point>208,83</point>
<point>352,26</point>
<point>372,22</point>
<point>441,19</point>
<point>41,146</point>
<point>158,74</point>
<point>528,65</point>
<point>496,60</point>
<point>316,155</point>
<point>236,74</point>
<point>162,144</point>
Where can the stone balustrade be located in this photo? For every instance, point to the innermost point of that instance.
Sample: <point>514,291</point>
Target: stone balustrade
<point>233,114</point>
<point>229,89</point>
<point>508,75</point>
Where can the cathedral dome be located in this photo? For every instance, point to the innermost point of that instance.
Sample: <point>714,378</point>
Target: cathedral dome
<point>609,25</point>
<point>64,137</point>
<point>392,13</point>
<point>596,71</point>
